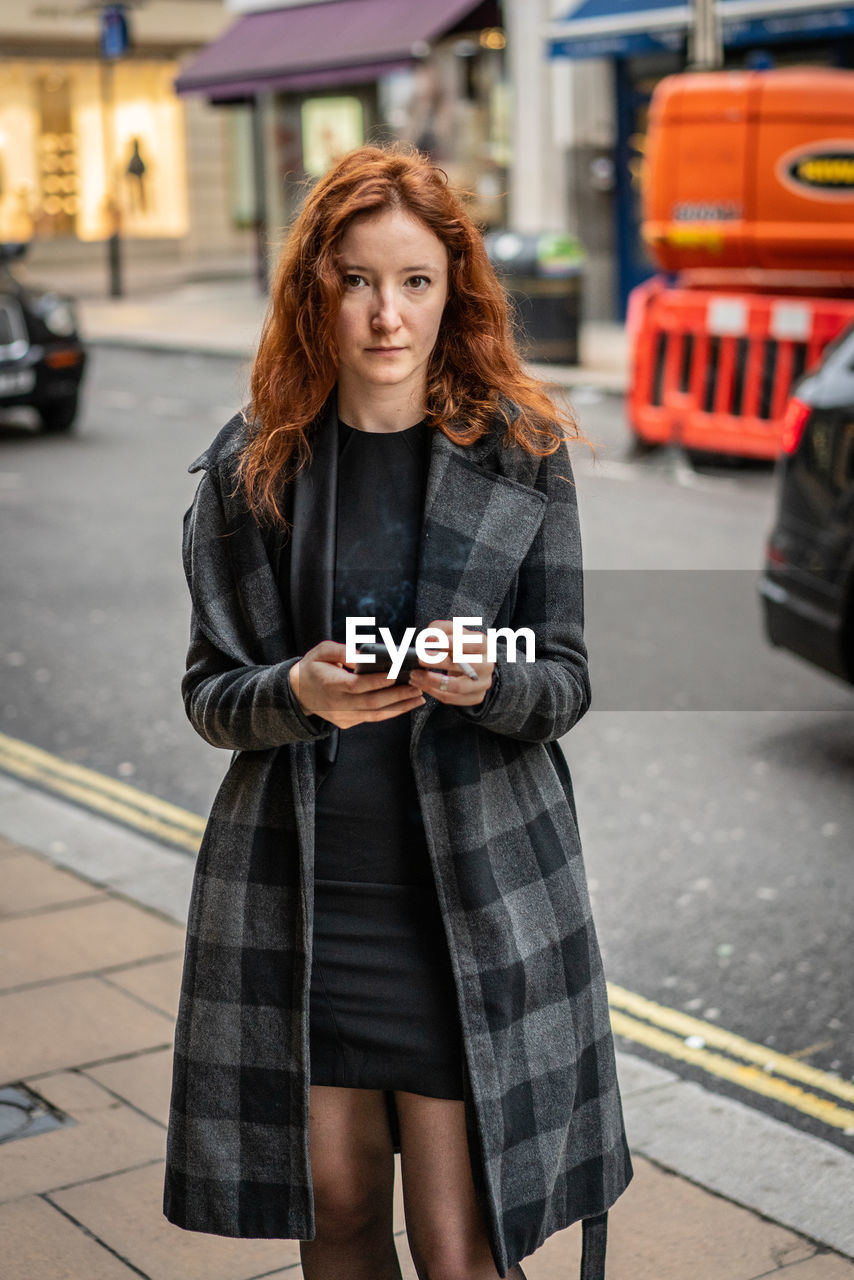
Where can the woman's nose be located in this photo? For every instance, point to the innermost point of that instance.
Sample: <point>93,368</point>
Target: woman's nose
<point>386,312</point>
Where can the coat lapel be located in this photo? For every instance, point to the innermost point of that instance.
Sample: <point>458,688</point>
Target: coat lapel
<point>477,529</point>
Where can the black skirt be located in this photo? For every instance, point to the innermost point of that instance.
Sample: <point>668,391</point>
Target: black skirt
<point>383,1009</point>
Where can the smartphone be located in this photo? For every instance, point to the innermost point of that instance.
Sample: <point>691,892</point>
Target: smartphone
<point>384,661</point>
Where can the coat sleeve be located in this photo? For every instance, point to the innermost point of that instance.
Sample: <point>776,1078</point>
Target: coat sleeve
<point>541,701</point>
<point>243,707</point>
<point>231,700</point>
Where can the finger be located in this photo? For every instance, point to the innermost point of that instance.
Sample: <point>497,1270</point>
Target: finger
<point>328,651</point>
<point>368,683</point>
<point>393,696</point>
<point>399,709</point>
<point>439,682</point>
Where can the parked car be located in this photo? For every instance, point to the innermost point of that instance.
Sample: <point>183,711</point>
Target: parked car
<point>807,588</point>
<point>41,356</point>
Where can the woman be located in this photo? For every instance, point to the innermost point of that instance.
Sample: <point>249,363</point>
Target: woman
<point>390,944</point>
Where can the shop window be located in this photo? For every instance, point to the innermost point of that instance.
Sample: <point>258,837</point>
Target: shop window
<point>58,170</point>
<point>330,128</point>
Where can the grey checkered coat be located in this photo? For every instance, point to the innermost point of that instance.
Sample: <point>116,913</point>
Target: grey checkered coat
<point>500,541</point>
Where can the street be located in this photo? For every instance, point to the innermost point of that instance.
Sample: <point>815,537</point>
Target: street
<point>713,774</point>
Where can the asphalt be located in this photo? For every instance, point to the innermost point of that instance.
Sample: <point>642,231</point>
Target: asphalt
<point>91,932</point>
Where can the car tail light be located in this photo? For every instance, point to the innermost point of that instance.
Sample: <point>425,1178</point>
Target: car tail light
<point>794,420</point>
<point>63,358</point>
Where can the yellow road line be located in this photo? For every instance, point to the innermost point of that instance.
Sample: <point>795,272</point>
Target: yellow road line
<point>771,1062</point>
<point>105,795</point>
<point>748,1077</point>
<point>752,1066</point>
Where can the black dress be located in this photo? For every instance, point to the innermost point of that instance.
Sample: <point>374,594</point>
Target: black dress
<point>383,1011</point>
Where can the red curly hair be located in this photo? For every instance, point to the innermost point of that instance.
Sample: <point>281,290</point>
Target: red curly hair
<point>473,367</point>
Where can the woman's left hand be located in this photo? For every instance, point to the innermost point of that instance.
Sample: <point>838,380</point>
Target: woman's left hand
<point>445,681</point>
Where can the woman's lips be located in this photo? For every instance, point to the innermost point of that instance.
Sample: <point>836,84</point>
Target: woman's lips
<point>383,351</point>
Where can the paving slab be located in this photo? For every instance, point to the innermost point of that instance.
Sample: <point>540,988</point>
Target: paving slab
<point>794,1178</point>
<point>78,940</point>
<point>144,1081</point>
<point>39,1243</point>
<point>125,1211</point>
<point>664,1228</point>
<point>29,884</point>
<point>106,1136</point>
<point>97,848</point>
<point>72,1024</point>
<point>157,982</point>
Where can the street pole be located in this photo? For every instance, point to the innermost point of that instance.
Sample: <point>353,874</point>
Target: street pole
<point>707,52</point>
<point>114,43</point>
<point>111,199</point>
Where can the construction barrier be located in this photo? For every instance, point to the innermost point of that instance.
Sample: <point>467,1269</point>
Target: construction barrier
<point>712,370</point>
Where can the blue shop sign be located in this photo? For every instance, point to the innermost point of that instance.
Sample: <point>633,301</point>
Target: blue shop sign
<point>115,32</point>
<point>621,28</point>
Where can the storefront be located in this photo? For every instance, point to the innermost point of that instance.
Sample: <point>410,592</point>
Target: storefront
<point>308,82</point>
<point>68,137</point>
<point>640,42</point>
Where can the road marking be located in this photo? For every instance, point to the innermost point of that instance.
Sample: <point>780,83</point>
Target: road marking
<point>751,1078</point>
<point>678,1036</point>
<point>768,1060</point>
<point>104,795</point>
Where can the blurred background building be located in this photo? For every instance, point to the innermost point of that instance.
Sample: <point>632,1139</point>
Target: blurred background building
<point>305,82</point>
<point>79,131</point>
<point>617,51</point>
<point>204,132</point>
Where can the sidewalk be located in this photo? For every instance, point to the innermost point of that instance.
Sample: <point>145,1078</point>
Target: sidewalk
<point>88,997</point>
<point>225,317</point>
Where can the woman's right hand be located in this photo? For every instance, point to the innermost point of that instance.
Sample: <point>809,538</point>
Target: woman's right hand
<point>323,686</point>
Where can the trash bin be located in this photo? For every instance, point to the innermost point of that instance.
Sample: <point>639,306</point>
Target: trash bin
<point>542,273</point>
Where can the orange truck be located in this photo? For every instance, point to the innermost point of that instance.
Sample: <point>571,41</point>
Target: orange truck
<point>749,208</point>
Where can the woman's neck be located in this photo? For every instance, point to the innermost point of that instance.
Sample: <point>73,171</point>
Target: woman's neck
<point>379,409</point>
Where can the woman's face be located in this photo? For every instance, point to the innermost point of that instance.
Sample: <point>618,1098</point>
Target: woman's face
<point>395,287</point>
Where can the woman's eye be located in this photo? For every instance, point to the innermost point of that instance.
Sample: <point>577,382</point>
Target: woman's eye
<point>419,283</point>
<point>353,281</point>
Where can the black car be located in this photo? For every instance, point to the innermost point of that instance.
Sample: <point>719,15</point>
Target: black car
<point>41,356</point>
<point>807,588</point>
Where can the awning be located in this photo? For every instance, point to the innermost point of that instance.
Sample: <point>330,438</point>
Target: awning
<point>618,28</point>
<point>316,45</point>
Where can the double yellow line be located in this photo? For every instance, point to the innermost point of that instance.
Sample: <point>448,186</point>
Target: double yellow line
<point>730,1057</point>
<point>108,796</point>
<point>675,1035</point>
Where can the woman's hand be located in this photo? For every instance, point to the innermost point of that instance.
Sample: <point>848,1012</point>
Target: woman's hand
<point>324,687</point>
<point>446,681</point>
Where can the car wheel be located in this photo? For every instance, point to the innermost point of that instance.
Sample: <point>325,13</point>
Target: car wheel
<point>59,416</point>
